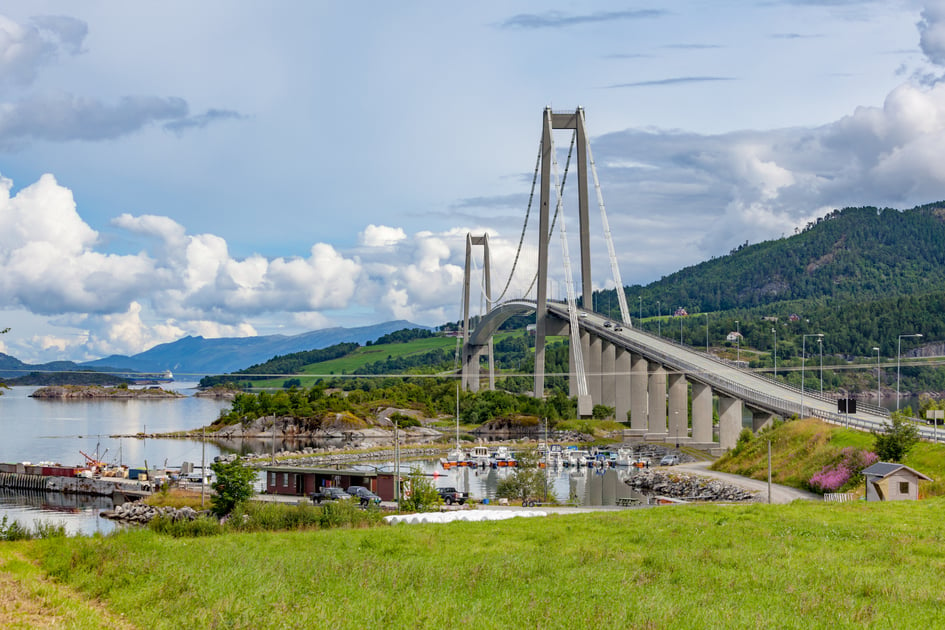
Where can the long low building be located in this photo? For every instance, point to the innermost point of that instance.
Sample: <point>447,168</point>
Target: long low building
<point>297,481</point>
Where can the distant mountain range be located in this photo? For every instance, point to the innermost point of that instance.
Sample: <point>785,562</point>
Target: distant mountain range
<point>192,357</point>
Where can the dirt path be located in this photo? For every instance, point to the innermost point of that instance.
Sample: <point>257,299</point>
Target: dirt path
<point>779,494</point>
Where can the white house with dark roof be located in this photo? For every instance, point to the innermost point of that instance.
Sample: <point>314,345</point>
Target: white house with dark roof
<point>889,481</point>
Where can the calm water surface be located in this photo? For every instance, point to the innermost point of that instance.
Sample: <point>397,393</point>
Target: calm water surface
<point>40,430</point>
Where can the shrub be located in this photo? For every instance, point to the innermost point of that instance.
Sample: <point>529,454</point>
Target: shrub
<point>845,471</point>
<point>423,494</point>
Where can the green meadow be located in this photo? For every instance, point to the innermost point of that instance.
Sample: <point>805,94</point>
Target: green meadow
<point>804,565</point>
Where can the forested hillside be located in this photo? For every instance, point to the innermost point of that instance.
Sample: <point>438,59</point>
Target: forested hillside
<point>854,253</point>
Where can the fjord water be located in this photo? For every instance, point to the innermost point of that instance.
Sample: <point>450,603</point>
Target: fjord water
<point>41,430</point>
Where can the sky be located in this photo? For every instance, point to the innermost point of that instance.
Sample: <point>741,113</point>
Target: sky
<point>239,168</point>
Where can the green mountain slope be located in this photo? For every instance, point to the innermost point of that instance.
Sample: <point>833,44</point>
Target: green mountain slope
<point>860,253</point>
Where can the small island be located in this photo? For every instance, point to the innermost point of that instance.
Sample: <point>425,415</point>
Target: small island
<point>84,392</point>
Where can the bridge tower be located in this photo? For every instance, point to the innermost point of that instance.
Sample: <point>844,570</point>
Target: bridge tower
<point>473,354</point>
<point>551,121</point>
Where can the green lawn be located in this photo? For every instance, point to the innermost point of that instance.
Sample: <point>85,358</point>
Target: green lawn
<point>804,565</point>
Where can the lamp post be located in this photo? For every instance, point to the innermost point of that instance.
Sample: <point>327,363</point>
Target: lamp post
<point>820,347</point>
<point>898,354</point>
<point>738,343</point>
<point>706,333</point>
<point>804,363</point>
<point>775,331</point>
<point>641,308</point>
<point>680,327</point>
<point>659,320</point>
<point>879,391</point>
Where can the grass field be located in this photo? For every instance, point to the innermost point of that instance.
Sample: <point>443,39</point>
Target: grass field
<point>351,363</point>
<point>804,565</point>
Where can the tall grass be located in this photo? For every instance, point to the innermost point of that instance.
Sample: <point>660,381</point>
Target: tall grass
<point>258,516</point>
<point>797,566</point>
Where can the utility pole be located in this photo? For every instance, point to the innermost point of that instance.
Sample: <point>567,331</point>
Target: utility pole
<point>203,463</point>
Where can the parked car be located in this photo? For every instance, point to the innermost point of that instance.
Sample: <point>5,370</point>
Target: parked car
<point>669,460</point>
<point>329,494</point>
<point>364,496</point>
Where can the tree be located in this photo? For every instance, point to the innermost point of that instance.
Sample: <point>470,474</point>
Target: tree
<point>527,482</point>
<point>422,493</point>
<point>234,486</point>
<point>896,440</point>
<point>602,412</point>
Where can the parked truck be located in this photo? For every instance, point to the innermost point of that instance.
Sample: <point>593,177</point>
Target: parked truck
<point>451,495</point>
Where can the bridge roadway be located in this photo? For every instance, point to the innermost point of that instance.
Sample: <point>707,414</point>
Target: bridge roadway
<point>723,377</point>
<point>753,389</point>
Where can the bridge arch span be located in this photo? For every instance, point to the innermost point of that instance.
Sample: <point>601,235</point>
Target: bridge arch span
<point>491,321</point>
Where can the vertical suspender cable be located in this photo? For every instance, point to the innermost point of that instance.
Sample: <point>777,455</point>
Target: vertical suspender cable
<point>621,297</point>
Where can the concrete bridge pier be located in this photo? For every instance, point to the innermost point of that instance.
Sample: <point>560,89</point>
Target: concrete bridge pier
<point>760,419</point>
<point>730,421</point>
<point>594,369</point>
<point>472,360</point>
<point>678,408</point>
<point>702,433</point>
<point>639,402</point>
<point>608,376</point>
<point>622,384</point>
<point>656,389</point>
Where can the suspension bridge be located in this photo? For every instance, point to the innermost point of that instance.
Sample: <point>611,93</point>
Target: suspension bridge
<point>645,377</point>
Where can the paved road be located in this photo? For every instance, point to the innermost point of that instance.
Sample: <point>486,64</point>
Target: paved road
<point>779,494</point>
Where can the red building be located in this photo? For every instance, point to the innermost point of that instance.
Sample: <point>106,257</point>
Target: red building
<point>295,481</point>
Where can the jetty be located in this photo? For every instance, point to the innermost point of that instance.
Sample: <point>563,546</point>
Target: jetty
<point>71,480</point>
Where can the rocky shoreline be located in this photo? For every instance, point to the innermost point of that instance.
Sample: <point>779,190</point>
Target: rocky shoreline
<point>141,513</point>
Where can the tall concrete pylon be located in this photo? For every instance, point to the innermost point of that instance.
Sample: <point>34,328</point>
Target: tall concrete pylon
<point>471,356</point>
<point>551,121</point>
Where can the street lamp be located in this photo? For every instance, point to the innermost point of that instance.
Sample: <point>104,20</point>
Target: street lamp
<point>879,391</point>
<point>775,331</point>
<point>659,320</point>
<point>738,343</point>
<point>680,325</point>
<point>706,333</point>
<point>820,346</point>
<point>641,309</point>
<point>804,363</point>
<point>898,353</point>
